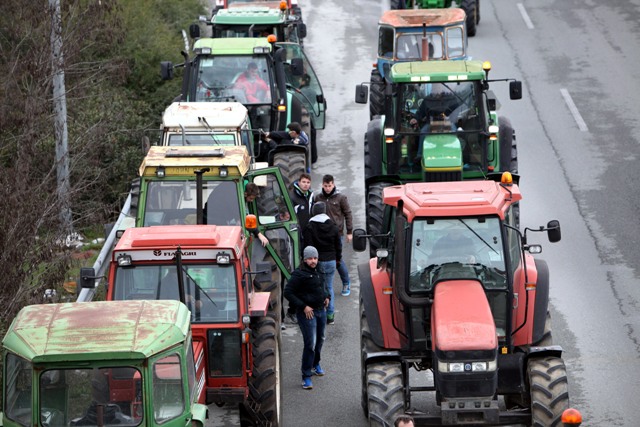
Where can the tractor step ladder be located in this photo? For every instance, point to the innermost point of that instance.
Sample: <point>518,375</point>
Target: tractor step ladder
<point>254,408</point>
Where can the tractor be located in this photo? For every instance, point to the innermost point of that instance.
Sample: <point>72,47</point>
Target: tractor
<point>291,5</point>
<point>455,291</point>
<point>415,35</point>
<point>237,327</point>
<point>257,21</point>
<point>294,94</point>
<point>131,363</point>
<point>470,7</point>
<point>206,185</point>
<point>440,124</point>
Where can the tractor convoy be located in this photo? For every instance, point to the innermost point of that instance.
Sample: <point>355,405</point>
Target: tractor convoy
<point>453,304</point>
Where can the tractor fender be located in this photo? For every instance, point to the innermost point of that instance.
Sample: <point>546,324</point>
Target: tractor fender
<point>542,300</point>
<point>382,356</point>
<point>377,305</point>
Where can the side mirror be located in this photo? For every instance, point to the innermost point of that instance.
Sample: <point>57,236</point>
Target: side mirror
<point>297,66</point>
<point>515,89</point>
<point>87,278</point>
<point>194,31</point>
<point>362,94</point>
<point>166,70</point>
<point>553,231</point>
<point>359,240</point>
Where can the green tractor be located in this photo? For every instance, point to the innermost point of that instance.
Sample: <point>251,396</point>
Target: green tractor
<point>214,74</point>
<point>470,7</point>
<point>440,124</point>
<point>124,363</point>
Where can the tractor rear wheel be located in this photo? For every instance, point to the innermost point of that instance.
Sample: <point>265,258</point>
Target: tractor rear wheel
<point>313,144</point>
<point>264,382</point>
<point>367,345</point>
<point>375,214</point>
<point>385,385</point>
<point>135,198</point>
<point>376,94</point>
<point>547,338</point>
<point>549,389</point>
<point>509,156</point>
<point>470,8</point>
<point>477,11</point>
<point>291,164</point>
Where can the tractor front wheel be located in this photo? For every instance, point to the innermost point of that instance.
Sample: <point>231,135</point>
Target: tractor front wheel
<point>376,94</point>
<point>264,382</point>
<point>549,389</point>
<point>385,384</point>
<point>367,345</point>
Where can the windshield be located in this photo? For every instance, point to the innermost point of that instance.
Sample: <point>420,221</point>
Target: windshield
<point>210,289</point>
<point>91,397</point>
<point>174,202</point>
<point>409,46</point>
<point>457,248</point>
<point>203,139</point>
<point>245,79</point>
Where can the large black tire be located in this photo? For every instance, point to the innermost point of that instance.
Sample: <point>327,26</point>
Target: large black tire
<point>509,156</point>
<point>135,198</point>
<point>274,287</point>
<point>376,94</point>
<point>547,336</point>
<point>375,214</point>
<point>549,389</point>
<point>372,157</point>
<point>367,345</point>
<point>385,393</point>
<point>470,8</point>
<point>291,164</point>
<point>477,11</point>
<point>314,144</point>
<point>264,382</point>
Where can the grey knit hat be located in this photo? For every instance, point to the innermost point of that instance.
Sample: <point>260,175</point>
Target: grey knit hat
<point>310,252</point>
<point>318,208</point>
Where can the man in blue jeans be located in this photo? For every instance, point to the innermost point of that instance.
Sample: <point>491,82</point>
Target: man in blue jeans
<point>323,233</point>
<point>307,294</point>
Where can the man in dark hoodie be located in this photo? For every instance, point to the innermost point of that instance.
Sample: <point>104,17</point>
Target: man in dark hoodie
<point>339,211</point>
<point>306,292</point>
<point>322,233</point>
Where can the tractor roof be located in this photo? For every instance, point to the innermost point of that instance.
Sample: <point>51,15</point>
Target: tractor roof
<point>106,330</point>
<point>198,242</point>
<point>269,4</point>
<point>418,17</point>
<point>436,71</point>
<point>249,15</point>
<point>453,199</point>
<point>218,115</point>
<point>233,45</point>
<point>184,161</point>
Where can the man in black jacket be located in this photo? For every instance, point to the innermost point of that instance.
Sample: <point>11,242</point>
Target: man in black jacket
<point>306,292</point>
<point>323,233</point>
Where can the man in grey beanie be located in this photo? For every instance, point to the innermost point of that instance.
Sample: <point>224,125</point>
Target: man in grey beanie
<point>307,294</point>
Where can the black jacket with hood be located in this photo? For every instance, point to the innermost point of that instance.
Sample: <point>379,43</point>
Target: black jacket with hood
<point>322,233</point>
<point>306,288</point>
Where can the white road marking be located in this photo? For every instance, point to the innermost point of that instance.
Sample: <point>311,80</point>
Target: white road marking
<point>525,16</point>
<point>574,110</point>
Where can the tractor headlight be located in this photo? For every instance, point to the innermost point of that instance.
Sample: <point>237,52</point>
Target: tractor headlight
<point>486,366</point>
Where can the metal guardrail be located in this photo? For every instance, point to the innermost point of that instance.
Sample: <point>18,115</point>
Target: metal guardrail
<point>102,262</point>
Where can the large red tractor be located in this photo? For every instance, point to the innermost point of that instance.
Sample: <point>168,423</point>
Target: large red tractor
<point>455,291</point>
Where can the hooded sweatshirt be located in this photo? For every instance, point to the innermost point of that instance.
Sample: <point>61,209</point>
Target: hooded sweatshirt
<point>322,233</point>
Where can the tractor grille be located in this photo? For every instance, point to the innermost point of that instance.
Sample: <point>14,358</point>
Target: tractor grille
<point>225,352</point>
<point>443,176</point>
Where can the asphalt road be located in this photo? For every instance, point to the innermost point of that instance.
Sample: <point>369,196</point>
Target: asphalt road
<point>577,132</point>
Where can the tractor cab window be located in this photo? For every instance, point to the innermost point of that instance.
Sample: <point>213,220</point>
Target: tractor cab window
<point>245,79</point>
<point>174,202</point>
<point>106,396</point>
<point>306,85</point>
<point>208,139</point>
<point>168,389</point>
<point>385,42</point>
<point>409,46</point>
<point>455,42</point>
<point>18,382</point>
<point>457,248</point>
<point>211,293</point>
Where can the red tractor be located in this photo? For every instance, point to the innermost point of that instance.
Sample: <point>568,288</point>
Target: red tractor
<point>235,329</point>
<point>455,291</point>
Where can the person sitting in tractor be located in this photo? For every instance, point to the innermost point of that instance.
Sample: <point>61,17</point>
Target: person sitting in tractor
<point>294,135</point>
<point>255,89</point>
<point>454,247</point>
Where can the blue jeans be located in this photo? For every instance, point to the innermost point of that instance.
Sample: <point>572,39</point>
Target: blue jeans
<point>343,271</point>
<point>328,270</point>
<point>313,338</point>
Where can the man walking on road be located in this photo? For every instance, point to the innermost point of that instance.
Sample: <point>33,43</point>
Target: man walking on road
<point>307,294</point>
<point>322,233</point>
<point>339,211</point>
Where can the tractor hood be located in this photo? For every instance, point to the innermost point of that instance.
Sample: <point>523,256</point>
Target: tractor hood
<point>442,153</point>
<point>461,318</point>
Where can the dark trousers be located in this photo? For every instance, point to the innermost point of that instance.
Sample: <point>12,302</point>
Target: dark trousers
<point>313,338</point>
